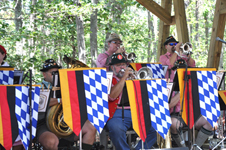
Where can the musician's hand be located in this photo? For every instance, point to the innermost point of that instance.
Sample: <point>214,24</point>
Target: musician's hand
<point>120,50</point>
<point>177,47</point>
<point>128,72</point>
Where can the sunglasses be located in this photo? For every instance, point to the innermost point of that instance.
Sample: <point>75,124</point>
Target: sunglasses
<point>116,43</point>
<point>171,44</point>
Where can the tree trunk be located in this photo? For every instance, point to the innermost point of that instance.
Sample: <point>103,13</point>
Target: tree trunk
<point>151,37</point>
<point>93,36</point>
<point>206,30</point>
<point>197,23</point>
<point>80,37</point>
<point>32,28</point>
<point>17,11</point>
<point>116,10</point>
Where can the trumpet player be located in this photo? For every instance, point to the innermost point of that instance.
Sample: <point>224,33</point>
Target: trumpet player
<point>119,109</point>
<point>204,127</point>
<point>114,46</point>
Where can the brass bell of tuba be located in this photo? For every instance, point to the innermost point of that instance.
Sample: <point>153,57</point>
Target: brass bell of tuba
<point>55,118</point>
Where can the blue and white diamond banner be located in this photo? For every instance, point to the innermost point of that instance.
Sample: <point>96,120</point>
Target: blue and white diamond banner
<point>6,77</point>
<point>156,70</point>
<point>159,107</point>
<point>208,96</point>
<point>22,109</point>
<point>96,92</point>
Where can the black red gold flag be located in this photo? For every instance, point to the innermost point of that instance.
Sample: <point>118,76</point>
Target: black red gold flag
<point>84,96</point>
<point>140,109</point>
<point>190,94</point>
<point>74,104</point>
<point>8,122</point>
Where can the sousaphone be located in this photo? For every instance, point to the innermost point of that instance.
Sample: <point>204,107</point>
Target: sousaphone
<point>55,118</point>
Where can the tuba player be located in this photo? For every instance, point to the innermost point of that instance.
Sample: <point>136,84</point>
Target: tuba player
<point>45,137</point>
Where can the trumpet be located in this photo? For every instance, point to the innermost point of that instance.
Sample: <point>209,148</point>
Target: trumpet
<point>186,48</point>
<point>130,56</point>
<point>131,76</point>
<point>143,73</point>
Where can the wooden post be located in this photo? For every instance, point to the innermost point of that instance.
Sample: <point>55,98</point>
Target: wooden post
<point>217,31</point>
<point>164,29</point>
<point>181,21</point>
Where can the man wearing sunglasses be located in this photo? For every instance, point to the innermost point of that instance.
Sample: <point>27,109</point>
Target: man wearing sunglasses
<point>48,139</point>
<point>205,129</point>
<point>114,46</point>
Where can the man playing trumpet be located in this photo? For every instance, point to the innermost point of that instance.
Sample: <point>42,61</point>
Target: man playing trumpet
<point>114,46</point>
<point>119,108</point>
<point>204,127</point>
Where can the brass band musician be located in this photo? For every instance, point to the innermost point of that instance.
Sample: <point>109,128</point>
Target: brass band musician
<point>46,138</point>
<point>119,109</point>
<point>204,127</point>
<point>114,46</point>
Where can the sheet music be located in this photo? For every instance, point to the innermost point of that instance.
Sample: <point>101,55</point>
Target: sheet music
<point>219,76</point>
<point>43,101</point>
<point>18,76</point>
<point>169,89</point>
<point>164,68</point>
<point>109,80</point>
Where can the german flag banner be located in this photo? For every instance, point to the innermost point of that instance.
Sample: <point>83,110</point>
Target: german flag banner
<point>6,75</point>
<point>199,96</point>
<point>222,99</point>
<point>156,68</point>
<point>84,96</point>
<point>15,114</point>
<point>8,122</point>
<point>149,106</point>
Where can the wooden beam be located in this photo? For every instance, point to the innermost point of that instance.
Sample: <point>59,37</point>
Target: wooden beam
<point>222,8</point>
<point>164,29</point>
<point>157,10</point>
<point>181,21</point>
<point>217,31</point>
<point>218,45</point>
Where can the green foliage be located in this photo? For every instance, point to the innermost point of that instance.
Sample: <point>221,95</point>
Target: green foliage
<point>49,30</point>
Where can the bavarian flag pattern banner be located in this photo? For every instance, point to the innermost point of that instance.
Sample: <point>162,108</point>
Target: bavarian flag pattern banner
<point>15,114</point>
<point>199,96</point>
<point>22,110</point>
<point>6,75</point>
<point>149,106</point>
<point>156,68</point>
<point>84,96</point>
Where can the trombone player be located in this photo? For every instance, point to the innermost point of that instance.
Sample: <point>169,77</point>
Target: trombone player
<point>169,58</point>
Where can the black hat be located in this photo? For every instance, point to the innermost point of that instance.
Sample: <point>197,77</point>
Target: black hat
<point>170,39</point>
<point>49,64</point>
<point>117,58</point>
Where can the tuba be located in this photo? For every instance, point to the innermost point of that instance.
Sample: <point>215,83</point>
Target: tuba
<point>55,118</point>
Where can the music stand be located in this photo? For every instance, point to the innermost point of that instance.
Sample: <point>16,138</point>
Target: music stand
<point>18,76</point>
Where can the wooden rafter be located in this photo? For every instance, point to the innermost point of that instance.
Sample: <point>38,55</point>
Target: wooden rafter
<point>157,10</point>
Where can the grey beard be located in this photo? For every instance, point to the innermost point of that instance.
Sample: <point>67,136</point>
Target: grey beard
<point>120,74</point>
